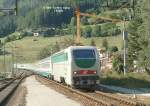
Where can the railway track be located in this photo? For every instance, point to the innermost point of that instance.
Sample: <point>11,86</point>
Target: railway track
<point>96,98</point>
<point>116,100</point>
<point>5,82</point>
<point>7,87</point>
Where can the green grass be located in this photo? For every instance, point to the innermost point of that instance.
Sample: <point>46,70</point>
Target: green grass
<point>112,41</point>
<point>8,64</point>
<point>29,49</point>
<point>2,39</point>
<point>130,80</point>
<point>109,12</point>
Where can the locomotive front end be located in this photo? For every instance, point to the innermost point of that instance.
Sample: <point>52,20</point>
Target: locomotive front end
<point>85,68</point>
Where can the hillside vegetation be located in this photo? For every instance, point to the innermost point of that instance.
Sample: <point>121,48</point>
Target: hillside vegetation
<point>35,14</point>
<point>29,49</point>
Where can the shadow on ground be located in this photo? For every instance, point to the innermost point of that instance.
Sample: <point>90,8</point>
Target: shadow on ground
<point>132,84</point>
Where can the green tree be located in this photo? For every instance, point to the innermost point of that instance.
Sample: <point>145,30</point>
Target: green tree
<point>96,31</point>
<point>73,21</point>
<point>144,38</point>
<point>67,42</point>
<point>72,26</point>
<point>139,40</point>
<point>73,30</point>
<point>7,25</point>
<point>133,41</point>
<point>49,50</point>
<point>45,52</point>
<point>93,42</point>
<point>113,49</point>
<point>84,20</point>
<point>118,62</point>
<point>56,48</point>
<point>105,44</point>
<point>1,47</point>
<point>87,32</point>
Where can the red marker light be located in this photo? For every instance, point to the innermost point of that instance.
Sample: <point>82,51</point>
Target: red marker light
<point>87,72</point>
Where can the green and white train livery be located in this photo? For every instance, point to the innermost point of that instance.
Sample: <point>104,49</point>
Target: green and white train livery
<point>77,66</point>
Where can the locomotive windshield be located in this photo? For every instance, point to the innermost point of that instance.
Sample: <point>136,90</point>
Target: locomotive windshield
<point>83,53</point>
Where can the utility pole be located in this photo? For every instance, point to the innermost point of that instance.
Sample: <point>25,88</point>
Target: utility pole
<point>12,62</point>
<point>125,34</point>
<point>124,54</point>
<point>4,58</point>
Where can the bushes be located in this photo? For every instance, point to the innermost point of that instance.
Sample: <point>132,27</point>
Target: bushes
<point>84,20</point>
<point>45,52</point>
<point>53,48</point>
<point>113,49</point>
<point>96,31</point>
<point>107,29</point>
<point>87,32</point>
<point>1,44</point>
<point>48,50</point>
<point>115,16</point>
<point>118,62</point>
<point>93,42</point>
<point>105,44</point>
<point>14,36</point>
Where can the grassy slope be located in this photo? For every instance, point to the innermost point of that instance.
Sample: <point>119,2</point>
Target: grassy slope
<point>7,61</point>
<point>27,50</point>
<point>28,47</point>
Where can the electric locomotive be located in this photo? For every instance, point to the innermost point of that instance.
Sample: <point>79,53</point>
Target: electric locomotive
<point>77,66</point>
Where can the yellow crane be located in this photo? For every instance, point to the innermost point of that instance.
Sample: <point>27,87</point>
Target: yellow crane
<point>79,14</point>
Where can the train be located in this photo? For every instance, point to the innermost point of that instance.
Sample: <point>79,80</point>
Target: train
<point>76,66</point>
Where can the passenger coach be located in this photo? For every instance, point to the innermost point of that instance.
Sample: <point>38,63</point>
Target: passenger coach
<point>77,66</point>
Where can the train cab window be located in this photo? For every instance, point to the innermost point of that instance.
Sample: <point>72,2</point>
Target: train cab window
<point>84,53</point>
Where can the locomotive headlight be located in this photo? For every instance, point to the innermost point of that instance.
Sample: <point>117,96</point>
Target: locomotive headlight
<point>74,72</point>
<point>94,72</point>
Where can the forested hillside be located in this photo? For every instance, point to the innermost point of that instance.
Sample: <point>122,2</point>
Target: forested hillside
<point>139,38</point>
<point>35,14</point>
